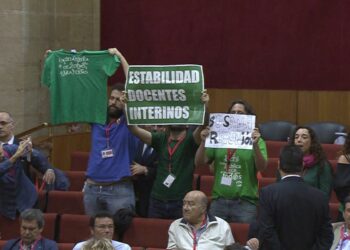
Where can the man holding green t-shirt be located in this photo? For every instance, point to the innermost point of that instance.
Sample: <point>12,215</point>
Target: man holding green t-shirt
<point>77,81</point>
<point>235,191</point>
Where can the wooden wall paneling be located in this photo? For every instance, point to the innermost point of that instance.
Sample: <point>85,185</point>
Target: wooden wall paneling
<point>63,145</point>
<point>268,104</point>
<point>331,106</point>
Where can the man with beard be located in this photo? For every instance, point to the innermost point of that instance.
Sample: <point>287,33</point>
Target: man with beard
<point>176,148</point>
<point>108,185</point>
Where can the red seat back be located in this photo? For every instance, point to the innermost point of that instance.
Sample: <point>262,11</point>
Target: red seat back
<point>240,232</point>
<point>332,150</point>
<point>79,160</point>
<point>274,148</point>
<point>271,169</point>
<point>76,179</point>
<point>65,202</point>
<point>65,246</point>
<point>146,232</point>
<point>206,184</point>
<point>73,228</point>
<point>203,170</point>
<point>265,181</point>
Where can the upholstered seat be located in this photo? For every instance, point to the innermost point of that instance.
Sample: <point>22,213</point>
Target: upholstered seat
<point>276,130</point>
<point>325,131</point>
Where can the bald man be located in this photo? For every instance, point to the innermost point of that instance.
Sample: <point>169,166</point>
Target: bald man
<point>198,229</point>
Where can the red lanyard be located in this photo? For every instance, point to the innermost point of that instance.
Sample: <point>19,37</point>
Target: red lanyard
<point>194,233</point>
<point>107,132</point>
<point>172,151</point>
<point>343,237</point>
<point>230,154</point>
<point>33,245</point>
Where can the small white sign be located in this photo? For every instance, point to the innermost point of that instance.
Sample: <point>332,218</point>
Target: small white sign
<point>230,131</point>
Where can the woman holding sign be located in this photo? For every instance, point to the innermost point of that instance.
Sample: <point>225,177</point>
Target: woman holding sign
<point>235,190</point>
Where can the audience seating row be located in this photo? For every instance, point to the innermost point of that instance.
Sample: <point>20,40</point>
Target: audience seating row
<point>71,202</point>
<point>142,233</point>
<point>80,159</point>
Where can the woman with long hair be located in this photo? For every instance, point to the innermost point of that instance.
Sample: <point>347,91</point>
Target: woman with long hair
<point>317,170</point>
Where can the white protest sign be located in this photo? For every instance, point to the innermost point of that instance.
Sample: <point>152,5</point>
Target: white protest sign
<point>230,131</point>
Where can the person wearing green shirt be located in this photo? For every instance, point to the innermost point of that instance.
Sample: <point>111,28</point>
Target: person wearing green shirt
<point>176,148</point>
<point>235,191</point>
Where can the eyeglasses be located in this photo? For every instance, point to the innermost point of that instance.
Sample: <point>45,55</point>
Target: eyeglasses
<point>4,123</point>
<point>104,226</point>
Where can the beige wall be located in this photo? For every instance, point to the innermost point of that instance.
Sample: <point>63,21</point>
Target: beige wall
<point>28,28</point>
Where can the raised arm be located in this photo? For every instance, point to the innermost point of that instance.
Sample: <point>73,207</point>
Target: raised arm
<point>201,158</point>
<point>122,59</point>
<point>197,132</point>
<point>260,161</point>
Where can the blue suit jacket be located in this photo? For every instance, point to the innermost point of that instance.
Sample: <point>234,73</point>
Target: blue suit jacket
<point>17,192</point>
<point>43,244</point>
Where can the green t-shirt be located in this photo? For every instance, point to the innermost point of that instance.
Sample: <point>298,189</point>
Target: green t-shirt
<point>78,84</point>
<point>182,166</point>
<point>241,172</point>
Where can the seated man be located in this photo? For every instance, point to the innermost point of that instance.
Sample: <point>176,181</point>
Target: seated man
<point>198,229</point>
<point>341,229</point>
<point>17,192</point>
<point>102,226</point>
<point>32,225</point>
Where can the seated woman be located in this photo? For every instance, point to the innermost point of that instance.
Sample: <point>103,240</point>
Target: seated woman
<point>317,170</point>
<point>342,176</point>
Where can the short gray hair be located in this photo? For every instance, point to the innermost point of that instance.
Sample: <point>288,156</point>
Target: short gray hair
<point>33,214</point>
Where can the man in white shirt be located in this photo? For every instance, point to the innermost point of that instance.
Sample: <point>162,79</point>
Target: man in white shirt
<point>102,226</point>
<point>197,229</point>
<point>341,229</point>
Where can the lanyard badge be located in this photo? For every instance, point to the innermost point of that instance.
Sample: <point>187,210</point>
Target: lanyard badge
<point>108,152</point>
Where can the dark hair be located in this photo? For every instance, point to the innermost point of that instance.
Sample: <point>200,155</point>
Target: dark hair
<point>33,214</point>
<point>291,159</point>
<point>247,107</point>
<point>122,220</point>
<point>102,214</point>
<point>118,86</point>
<point>315,146</point>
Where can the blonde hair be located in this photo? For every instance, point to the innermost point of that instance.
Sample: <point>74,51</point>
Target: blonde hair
<point>98,244</point>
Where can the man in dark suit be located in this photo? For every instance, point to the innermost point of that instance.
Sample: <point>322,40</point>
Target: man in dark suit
<point>293,215</point>
<point>144,169</point>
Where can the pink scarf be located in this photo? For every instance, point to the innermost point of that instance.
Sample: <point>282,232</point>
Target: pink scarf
<point>309,161</point>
